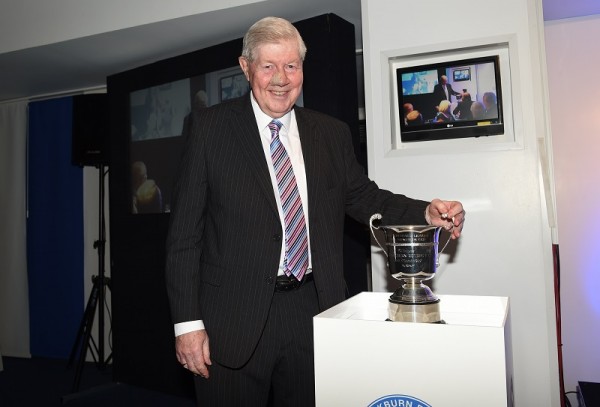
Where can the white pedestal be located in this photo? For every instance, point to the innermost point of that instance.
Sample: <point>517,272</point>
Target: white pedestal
<point>361,358</point>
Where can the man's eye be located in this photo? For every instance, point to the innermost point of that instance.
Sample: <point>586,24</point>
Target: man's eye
<point>291,68</point>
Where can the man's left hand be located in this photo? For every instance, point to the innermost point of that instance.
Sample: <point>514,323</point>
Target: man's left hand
<point>448,214</point>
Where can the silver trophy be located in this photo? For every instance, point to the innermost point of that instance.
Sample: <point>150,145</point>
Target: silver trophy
<point>412,257</point>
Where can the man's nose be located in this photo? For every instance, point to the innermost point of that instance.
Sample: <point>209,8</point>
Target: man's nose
<point>279,77</point>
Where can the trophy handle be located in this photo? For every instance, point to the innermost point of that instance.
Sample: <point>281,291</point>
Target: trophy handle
<point>437,259</point>
<point>376,216</point>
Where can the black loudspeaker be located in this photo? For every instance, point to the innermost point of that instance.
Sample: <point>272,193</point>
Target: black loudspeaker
<point>588,394</point>
<point>90,130</point>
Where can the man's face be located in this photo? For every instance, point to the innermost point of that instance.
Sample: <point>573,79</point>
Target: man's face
<point>275,76</point>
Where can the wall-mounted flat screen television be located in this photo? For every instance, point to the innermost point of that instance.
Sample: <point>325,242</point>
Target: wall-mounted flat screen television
<point>450,100</point>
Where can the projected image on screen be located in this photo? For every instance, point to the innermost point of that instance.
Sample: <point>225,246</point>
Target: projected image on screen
<point>419,83</point>
<point>158,111</point>
<point>159,116</point>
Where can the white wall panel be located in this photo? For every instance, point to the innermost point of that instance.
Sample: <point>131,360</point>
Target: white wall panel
<point>506,249</point>
<point>573,65</point>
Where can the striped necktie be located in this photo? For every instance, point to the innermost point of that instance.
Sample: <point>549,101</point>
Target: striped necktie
<point>296,242</point>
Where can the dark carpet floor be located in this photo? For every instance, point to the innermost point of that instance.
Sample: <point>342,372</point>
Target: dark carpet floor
<point>38,382</point>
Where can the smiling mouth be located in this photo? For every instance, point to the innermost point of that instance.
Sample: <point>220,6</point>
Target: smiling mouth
<point>278,93</point>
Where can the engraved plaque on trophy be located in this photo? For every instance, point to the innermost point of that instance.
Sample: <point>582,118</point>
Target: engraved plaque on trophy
<point>412,257</point>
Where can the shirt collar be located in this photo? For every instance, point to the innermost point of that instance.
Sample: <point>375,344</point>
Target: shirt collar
<point>263,119</point>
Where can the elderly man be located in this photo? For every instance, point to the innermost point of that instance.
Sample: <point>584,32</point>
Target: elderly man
<point>443,90</point>
<point>255,243</point>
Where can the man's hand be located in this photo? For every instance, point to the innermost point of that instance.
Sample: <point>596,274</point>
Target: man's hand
<point>448,214</point>
<point>193,352</point>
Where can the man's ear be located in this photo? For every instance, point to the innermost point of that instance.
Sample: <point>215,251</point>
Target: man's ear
<point>244,65</point>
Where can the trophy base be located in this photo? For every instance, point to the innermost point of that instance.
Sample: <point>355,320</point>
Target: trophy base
<point>428,313</point>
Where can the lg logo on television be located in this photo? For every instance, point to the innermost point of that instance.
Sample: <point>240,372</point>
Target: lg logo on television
<point>398,400</point>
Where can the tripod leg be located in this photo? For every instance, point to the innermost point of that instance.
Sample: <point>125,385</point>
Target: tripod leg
<point>86,332</point>
<point>85,320</point>
<point>84,338</point>
<point>107,285</point>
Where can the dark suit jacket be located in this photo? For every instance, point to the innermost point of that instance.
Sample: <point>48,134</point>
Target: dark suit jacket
<point>463,110</point>
<point>225,235</point>
<point>439,94</point>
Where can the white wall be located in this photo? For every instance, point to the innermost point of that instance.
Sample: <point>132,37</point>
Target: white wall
<point>507,241</point>
<point>573,66</point>
<point>91,258</point>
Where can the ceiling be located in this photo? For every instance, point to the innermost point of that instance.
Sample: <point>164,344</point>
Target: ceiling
<point>84,63</point>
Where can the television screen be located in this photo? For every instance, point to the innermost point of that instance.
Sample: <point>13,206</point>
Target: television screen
<point>461,74</point>
<point>450,100</point>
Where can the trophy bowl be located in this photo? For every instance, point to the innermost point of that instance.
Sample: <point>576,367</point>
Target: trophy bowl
<point>412,258</point>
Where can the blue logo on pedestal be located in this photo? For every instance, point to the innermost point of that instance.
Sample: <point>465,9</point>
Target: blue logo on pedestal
<point>398,400</point>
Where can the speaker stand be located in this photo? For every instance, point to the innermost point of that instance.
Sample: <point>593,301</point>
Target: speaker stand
<point>84,340</point>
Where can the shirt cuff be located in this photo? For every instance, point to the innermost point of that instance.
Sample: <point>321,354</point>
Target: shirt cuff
<point>187,327</point>
<point>427,217</point>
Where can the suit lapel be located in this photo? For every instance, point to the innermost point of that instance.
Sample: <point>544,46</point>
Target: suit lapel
<point>311,154</point>
<point>246,134</point>
<point>247,137</point>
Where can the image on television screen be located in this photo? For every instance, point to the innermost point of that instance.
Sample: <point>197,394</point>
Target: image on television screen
<point>449,100</point>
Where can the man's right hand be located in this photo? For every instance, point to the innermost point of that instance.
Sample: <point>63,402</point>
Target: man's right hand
<point>193,352</point>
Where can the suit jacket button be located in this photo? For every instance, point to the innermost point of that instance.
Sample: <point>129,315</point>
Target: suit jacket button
<point>270,280</point>
<point>277,237</point>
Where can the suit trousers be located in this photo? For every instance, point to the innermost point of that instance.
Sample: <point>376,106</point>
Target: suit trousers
<point>280,372</point>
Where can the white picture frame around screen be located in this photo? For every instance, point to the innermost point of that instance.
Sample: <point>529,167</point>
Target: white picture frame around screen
<point>393,60</point>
